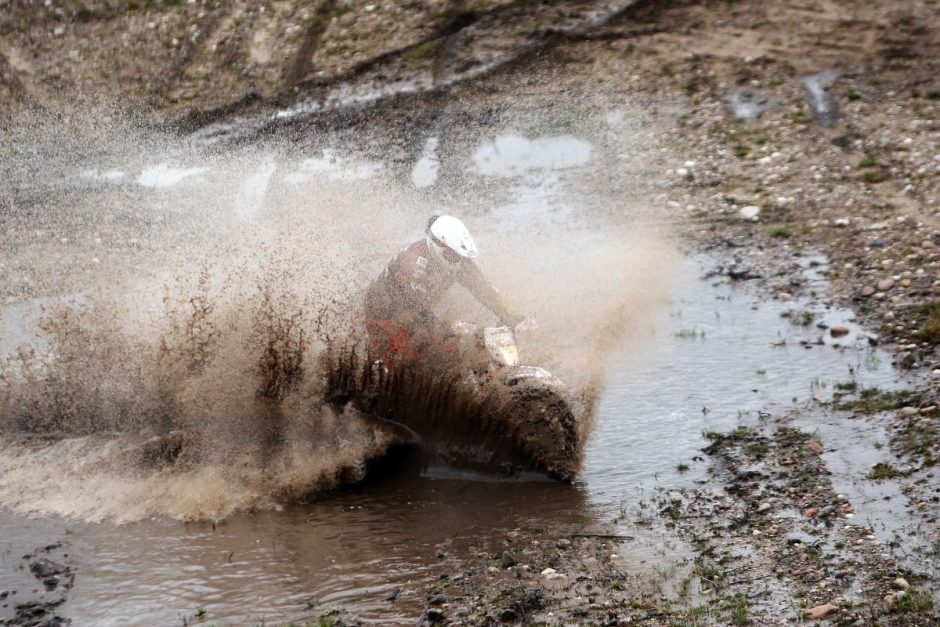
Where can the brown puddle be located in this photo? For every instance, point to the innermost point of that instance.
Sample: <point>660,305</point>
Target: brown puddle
<point>353,549</point>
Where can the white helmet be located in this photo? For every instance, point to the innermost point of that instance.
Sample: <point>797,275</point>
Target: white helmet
<point>451,233</point>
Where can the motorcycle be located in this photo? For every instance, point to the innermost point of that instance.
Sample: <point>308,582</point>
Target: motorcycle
<point>477,408</point>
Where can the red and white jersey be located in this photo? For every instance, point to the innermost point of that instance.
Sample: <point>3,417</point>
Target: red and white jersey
<point>416,279</point>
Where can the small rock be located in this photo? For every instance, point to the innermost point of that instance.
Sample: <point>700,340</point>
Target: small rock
<point>750,212</point>
<point>901,583</point>
<point>438,599</point>
<point>564,543</point>
<point>434,615</point>
<point>49,572</point>
<point>763,507</point>
<point>928,410</point>
<point>908,411</point>
<point>838,330</point>
<point>548,572</point>
<point>905,282</point>
<point>885,284</point>
<point>841,222</point>
<point>507,615</point>
<point>868,290</point>
<point>816,447</point>
<point>821,611</point>
<point>811,512</point>
<point>507,560</point>
<point>873,338</point>
<point>682,171</point>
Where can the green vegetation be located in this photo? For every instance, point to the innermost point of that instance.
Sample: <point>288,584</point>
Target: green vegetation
<point>868,162</point>
<point>740,150</point>
<point>917,438</point>
<point>781,231</point>
<point>740,433</point>
<point>847,386</point>
<point>882,471</point>
<point>682,467</point>
<point>875,176</point>
<point>928,315</point>
<point>757,450</point>
<point>853,95</point>
<point>800,117</point>
<point>422,52</point>
<point>799,318</point>
<point>914,601</point>
<point>873,401</point>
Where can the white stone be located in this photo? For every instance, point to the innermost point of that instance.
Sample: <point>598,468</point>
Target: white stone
<point>750,212</point>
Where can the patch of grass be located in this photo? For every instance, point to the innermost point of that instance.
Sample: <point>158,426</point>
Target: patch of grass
<point>875,176</point>
<point>882,471</point>
<point>847,386</point>
<point>739,615</point>
<point>781,232</point>
<point>928,316</point>
<point>917,438</point>
<point>708,573</point>
<point>853,95</point>
<point>682,467</point>
<point>741,151</point>
<point>757,450</point>
<point>868,162</point>
<point>800,117</point>
<point>914,601</point>
<point>874,400</point>
<point>933,94</point>
<point>799,318</point>
<point>424,52</point>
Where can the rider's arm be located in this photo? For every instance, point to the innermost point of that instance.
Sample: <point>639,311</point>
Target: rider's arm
<point>472,278</point>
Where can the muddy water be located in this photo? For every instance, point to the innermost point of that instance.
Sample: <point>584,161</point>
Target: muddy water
<point>352,550</point>
<point>717,357</point>
<point>712,357</point>
<point>722,357</point>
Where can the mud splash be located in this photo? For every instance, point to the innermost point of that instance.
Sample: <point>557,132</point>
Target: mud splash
<point>172,358</point>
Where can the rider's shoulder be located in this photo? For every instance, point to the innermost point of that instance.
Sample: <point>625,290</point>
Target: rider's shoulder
<point>417,248</point>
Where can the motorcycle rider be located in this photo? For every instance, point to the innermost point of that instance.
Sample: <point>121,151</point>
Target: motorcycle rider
<point>399,303</point>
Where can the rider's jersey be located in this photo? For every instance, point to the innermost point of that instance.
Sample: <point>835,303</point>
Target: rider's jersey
<point>416,279</point>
